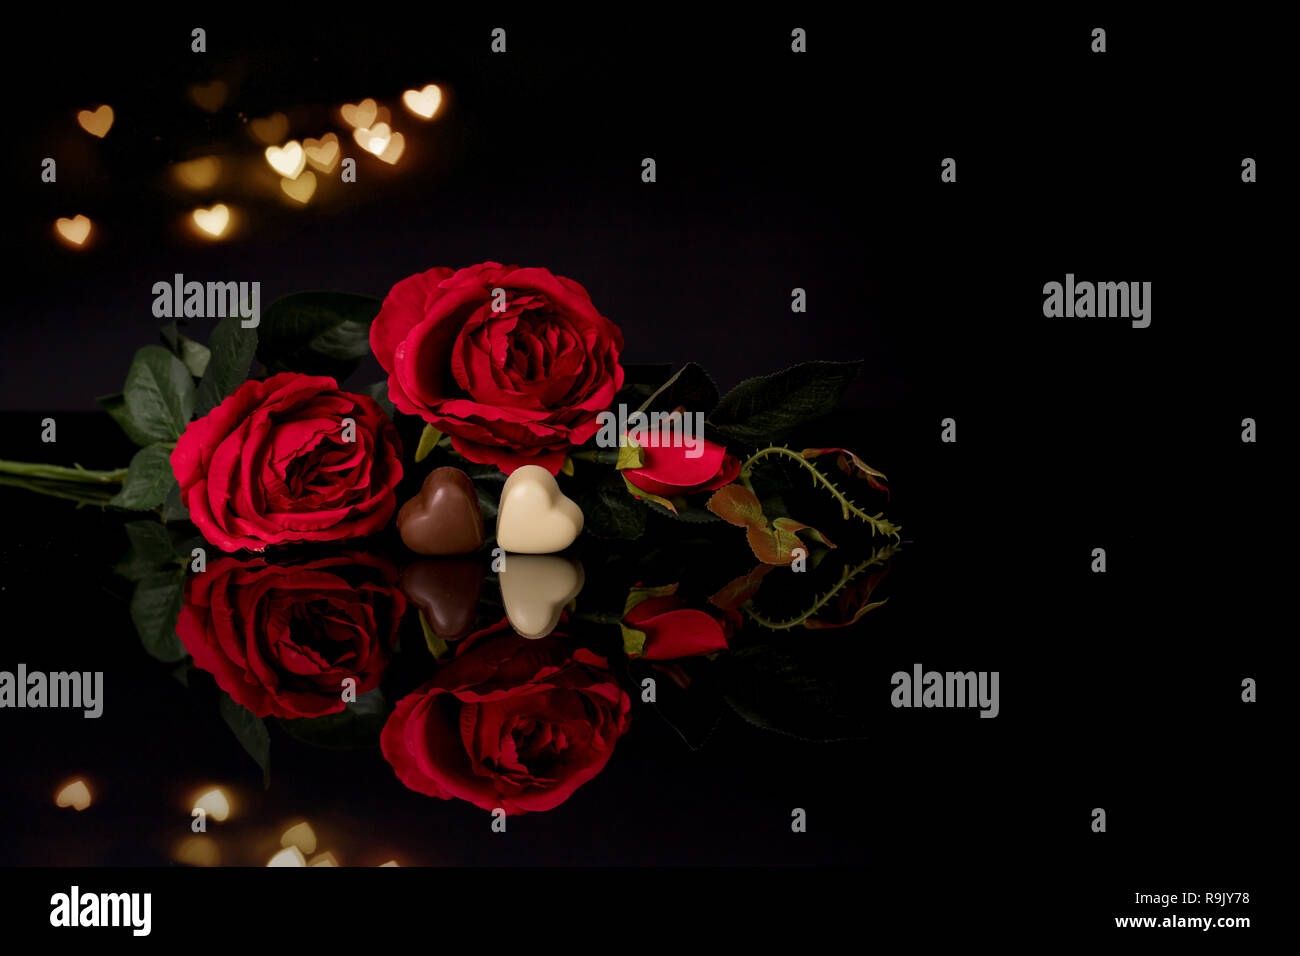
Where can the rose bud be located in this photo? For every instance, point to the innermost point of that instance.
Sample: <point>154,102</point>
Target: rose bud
<point>670,470</point>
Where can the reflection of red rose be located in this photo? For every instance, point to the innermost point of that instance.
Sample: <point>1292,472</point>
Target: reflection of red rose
<point>673,630</point>
<point>514,387</point>
<point>277,462</point>
<point>669,471</point>
<point>508,722</point>
<point>281,639</point>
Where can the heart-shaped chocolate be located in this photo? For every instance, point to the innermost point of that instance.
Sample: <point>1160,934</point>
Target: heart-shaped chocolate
<point>447,591</point>
<point>444,518</point>
<point>535,588</point>
<point>534,516</point>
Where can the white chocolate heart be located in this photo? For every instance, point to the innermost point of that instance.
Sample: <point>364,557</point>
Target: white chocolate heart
<point>534,516</point>
<point>535,588</point>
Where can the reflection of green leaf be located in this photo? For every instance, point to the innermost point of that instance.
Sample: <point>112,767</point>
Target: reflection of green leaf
<point>159,394</point>
<point>148,480</point>
<point>432,639</point>
<point>250,730</point>
<point>794,692</point>
<point>233,347</point>
<point>356,727</point>
<point>151,549</point>
<point>155,605</point>
<point>765,409</point>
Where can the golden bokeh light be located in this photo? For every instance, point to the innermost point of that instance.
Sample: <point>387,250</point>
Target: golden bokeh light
<point>323,859</point>
<point>359,115</point>
<point>74,231</point>
<point>209,97</point>
<point>98,122</point>
<point>270,129</point>
<point>287,160</point>
<point>289,856</point>
<point>212,223</point>
<point>323,153</point>
<point>300,835</point>
<point>393,152</point>
<point>423,103</point>
<point>390,863</point>
<point>75,794</point>
<point>214,803</point>
<point>198,174</point>
<point>373,139</point>
<point>197,850</point>
<point>300,189</point>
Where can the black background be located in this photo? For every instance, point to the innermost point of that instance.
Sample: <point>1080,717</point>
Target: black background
<point>775,170</point>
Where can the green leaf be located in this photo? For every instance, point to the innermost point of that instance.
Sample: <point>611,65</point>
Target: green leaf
<point>233,347</point>
<point>356,727</point>
<point>638,594</point>
<point>379,392</point>
<point>250,730</point>
<point>630,455</point>
<point>173,508</point>
<point>317,333</point>
<point>149,479</point>
<point>633,640</point>
<point>155,606</point>
<point>159,394</point>
<point>765,409</point>
<point>690,388</point>
<point>195,356</point>
<point>115,405</point>
<point>608,511</point>
<point>429,439</point>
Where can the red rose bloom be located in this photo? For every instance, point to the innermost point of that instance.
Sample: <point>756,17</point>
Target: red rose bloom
<point>273,463</point>
<point>668,470</point>
<point>281,639</point>
<point>512,387</point>
<point>508,722</point>
<point>673,630</point>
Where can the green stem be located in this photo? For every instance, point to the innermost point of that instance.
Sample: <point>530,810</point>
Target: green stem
<point>877,522</point>
<point>76,473</point>
<point>85,494</point>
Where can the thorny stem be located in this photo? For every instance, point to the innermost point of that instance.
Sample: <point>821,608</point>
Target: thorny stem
<point>878,556</point>
<point>877,522</point>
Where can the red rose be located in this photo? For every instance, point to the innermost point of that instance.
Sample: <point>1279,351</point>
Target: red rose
<point>668,469</point>
<point>281,639</point>
<point>673,630</point>
<point>514,387</point>
<point>273,463</point>
<point>508,722</point>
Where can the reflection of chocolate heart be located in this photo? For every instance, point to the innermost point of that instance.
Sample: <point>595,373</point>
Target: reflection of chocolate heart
<point>447,591</point>
<point>444,518</point>
<point>535,588</point>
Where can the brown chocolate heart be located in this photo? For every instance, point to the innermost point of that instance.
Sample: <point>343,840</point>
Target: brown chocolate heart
<point>447,591</point>
<point>444,518</point>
